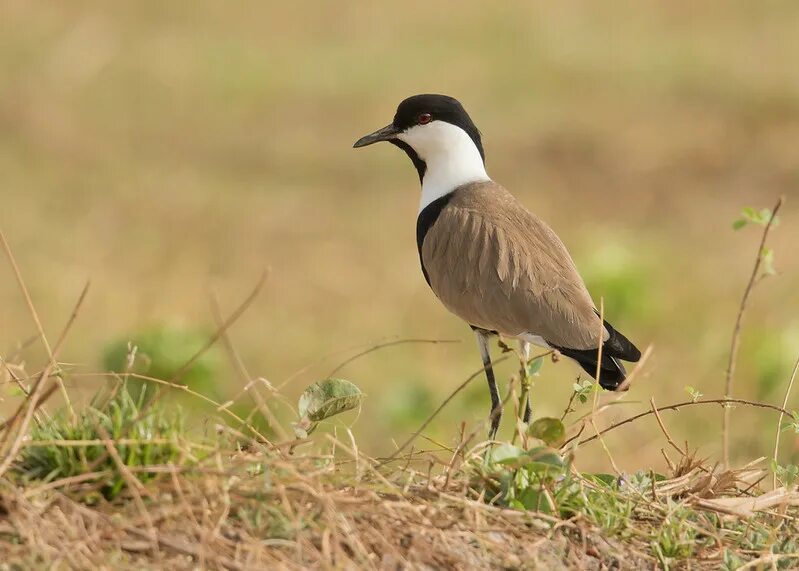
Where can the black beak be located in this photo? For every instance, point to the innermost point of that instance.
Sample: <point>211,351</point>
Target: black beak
<point>385,134</point>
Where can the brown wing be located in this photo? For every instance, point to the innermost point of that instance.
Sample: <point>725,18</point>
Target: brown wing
<point>499,267</point>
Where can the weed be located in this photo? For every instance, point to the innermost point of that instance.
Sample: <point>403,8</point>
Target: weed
<point>62,448</point>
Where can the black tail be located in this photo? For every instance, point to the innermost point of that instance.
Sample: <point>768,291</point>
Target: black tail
<point>611,371</point>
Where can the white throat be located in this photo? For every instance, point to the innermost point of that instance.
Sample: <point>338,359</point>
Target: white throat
<point>451,157</point>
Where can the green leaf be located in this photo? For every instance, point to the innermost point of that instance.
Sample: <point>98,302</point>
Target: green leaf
<point>534,366</point>
<point>517,505</point>
<point>504,454</point>
<point>750,214</point>
<point>605,479</point>
<point>550,430</point>
<point>694,393</point>
<point>543,461</point>
<point>768,262</point>
<point>738,224</point>
<point>327,398</point>
<point>533,499</point>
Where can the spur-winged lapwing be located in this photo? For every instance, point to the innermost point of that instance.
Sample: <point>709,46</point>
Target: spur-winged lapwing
<point>487,258</point>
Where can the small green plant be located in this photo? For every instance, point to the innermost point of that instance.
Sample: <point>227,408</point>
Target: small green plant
<point>602,498</point>
<point>324,399</point>
<point>54,450</point>
<point>751,215</point>
<point>676,538</point>
<point>793,423</point>
<point>161,352</point>
<point>524,479</point>
<point>551,431</point>
<point>693,393</point>
<point>787,475</point>
<point>583,390</point>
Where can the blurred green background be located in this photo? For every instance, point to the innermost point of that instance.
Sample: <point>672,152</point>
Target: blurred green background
<point>170,150</point>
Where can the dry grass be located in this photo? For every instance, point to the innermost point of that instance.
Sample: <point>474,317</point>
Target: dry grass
<point>158,149</point>
<point>166,151</point>
<point>123,484</point>
<point>243,504</point>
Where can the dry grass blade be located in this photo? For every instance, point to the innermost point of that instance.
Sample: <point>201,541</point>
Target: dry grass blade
<point>37,396</point>
<point>663,429</point>
<point>226,324</point>
<point>249,385</point>
<point>134,485</point>
<point>779,420</point>
<point>25,412</point>
<point>185,367</point>
<point>35,315</point>
<point>441,407</point>
<point>747,506</point>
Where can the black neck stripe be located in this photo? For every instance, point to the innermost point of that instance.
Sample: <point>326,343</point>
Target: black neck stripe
<point>427,217</point>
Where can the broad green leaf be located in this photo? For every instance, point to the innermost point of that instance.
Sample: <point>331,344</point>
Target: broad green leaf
<point>505,453</point>
<point>545,455</point>
<point>517,505</point>
<point>550,430</point>
<point>533,498</point>
<point>327,398</point>
<point>544,461</point>
<point>738,224</point>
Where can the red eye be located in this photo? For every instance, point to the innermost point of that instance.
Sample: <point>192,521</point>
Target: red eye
<point>424,118</point>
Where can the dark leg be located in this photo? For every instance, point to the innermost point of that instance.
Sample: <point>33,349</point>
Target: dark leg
<point>524,349</point>
<point>496,404</point>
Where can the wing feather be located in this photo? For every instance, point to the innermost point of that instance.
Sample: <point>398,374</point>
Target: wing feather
<point>500,267</point>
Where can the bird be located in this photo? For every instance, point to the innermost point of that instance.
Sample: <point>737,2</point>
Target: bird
<point>491,261</point>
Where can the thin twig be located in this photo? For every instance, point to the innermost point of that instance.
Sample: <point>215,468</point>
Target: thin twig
<point>172,382</point>
<point>779,420</point>
<point>663,429</point>
<point>736,335</point>
<point>220,331</point>
<point>568,408</point>
<point>440,408</point>
<point>678,406</point>
<point>387,344</point>
<point>74,315</point>
<point>244,374</point>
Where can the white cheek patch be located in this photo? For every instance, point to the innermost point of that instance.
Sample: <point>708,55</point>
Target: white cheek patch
<point>451,157</point>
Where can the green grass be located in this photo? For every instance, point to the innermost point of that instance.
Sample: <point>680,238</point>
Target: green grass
<point>152,436</point>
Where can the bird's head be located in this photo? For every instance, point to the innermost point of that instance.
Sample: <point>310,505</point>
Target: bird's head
<point>436,133</point>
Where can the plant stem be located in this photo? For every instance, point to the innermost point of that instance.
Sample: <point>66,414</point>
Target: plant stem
<point>736,335</point>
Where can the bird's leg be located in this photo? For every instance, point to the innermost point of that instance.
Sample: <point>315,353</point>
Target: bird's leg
<point>524,349</point>
<point>496,405</point>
